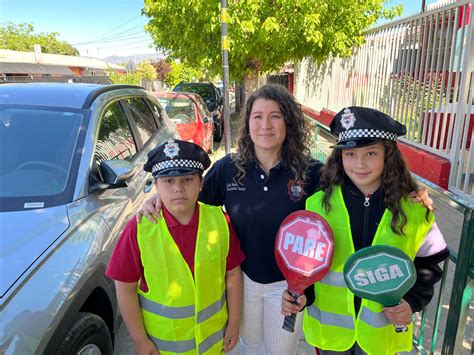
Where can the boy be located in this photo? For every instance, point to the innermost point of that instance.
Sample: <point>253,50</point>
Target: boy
<point>178,282</point>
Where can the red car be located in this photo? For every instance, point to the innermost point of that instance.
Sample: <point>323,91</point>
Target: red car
<point>191,116</point>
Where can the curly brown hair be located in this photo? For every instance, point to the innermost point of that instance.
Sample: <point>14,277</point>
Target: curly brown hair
<point>295,153</point>
<point>396,181</point>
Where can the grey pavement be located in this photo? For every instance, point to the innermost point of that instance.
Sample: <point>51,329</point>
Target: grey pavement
<point>450,223</point>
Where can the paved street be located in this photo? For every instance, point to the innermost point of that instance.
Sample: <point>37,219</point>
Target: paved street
<point>450,223</point>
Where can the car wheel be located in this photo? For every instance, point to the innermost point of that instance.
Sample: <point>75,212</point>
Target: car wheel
<point>88,335</point>
<point>219,131</point>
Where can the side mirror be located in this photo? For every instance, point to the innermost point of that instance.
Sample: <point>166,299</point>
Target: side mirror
<point>115,173</point>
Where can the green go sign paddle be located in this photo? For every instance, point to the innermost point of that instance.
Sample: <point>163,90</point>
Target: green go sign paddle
<point>380,273</point>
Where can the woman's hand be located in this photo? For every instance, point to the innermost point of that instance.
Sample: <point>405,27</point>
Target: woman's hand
<point>288,307</point>
<point>231,336</point>
<point>421,196</point>
<point>400,314</point>
<point>151,209</point>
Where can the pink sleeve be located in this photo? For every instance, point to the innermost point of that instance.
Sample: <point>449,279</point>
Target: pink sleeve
<point>125,263</point>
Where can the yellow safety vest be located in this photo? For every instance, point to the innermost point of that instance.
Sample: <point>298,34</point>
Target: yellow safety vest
<point>183,314</point>
<point>331,323</point>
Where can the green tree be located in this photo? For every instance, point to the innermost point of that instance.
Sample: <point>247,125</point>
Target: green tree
<point>21,37</point>
<point>182,72</point>
<point>146,71</point>
<point>264,34</point>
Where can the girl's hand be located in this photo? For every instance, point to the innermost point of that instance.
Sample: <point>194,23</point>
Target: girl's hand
<point>231,336</point>
<point>151,209</point>
<point>400,314</point>
<point>288,307</point>
<point>146,347</point>
<point>421,196</point>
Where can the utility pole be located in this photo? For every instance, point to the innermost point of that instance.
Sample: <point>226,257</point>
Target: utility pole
<point>225,73</point>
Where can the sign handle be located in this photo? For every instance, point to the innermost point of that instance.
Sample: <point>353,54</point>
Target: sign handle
<point>289,322</point>
<point>400,328</point>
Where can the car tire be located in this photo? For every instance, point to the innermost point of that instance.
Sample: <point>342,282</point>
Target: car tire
<point>88,334</point>
<point>219,132</point>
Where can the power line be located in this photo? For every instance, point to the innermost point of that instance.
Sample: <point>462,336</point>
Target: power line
<point>104,35</point>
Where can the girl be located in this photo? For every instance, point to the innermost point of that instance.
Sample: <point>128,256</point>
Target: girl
<point>364,197</point>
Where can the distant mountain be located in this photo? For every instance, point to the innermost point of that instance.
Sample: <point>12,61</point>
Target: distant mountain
<point>138,58</point>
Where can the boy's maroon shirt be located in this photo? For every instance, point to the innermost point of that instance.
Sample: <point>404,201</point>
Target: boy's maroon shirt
<point>125,264</point>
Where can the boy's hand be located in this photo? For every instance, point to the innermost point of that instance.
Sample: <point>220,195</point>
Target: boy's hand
<point>400,314</point>
<point>151,209</point>
<point>288,307</point>
<point>146,347</point>
<point>231,336</point>
<point>421,196</point>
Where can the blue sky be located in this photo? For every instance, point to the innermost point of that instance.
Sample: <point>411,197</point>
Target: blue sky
<point>100,28</point>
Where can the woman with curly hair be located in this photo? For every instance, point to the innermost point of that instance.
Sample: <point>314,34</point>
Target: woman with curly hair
<point>270,176</point>
<point>364,196</point>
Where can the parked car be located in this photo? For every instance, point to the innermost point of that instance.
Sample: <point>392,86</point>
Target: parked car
<point>191,116</point>
<point>213,100</point>
<point>70,177</point>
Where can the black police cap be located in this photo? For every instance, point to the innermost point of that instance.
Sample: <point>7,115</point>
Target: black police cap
<point>176,158</point>
<point>356,126</point>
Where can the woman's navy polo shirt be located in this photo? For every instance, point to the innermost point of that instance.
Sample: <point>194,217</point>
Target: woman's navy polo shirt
<point>257,207</point>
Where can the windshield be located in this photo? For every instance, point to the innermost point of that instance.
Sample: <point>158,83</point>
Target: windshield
<point>36,150</point>
<point>179,110</point>
<point>205,91</point>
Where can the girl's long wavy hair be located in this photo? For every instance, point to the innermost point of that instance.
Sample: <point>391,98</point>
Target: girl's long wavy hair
<point>396,181</point>
<point>295,153</point>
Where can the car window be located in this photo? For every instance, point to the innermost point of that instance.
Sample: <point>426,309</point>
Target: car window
<point>37,147</point>
<point>156,112</point>
<point>202,110</point>
<point>143,118</point>
<point>205,91</point>
<point>179,110</point>
<point>115,140</point>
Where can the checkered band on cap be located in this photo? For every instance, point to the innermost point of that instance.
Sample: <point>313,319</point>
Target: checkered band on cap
<point>177,164</point>
<point>366,133</point>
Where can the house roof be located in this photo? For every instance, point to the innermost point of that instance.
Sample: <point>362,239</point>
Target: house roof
<point>8,56</point>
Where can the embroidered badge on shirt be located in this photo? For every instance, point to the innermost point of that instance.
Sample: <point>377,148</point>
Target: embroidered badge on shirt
<point>348,119</point>
<point>171,148</point>
<point>296,189</point>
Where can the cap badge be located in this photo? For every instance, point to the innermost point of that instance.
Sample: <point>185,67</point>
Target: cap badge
<point>348,119</point>
<point>171,148</point>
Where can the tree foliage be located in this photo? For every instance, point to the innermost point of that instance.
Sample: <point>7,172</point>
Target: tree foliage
<point>144,71</point>
<point>182,72</point>
<point>263,35</point>
<point>21,37</point>
<point>162,67</point>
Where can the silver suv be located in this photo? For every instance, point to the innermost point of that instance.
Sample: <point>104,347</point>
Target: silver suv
<point>70,177</point>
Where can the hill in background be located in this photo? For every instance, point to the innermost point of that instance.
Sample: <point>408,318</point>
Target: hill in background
<point>138,58</point>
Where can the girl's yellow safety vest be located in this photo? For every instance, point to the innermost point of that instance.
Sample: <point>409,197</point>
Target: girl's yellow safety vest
<point>183,314</point>
<point>331,323</point>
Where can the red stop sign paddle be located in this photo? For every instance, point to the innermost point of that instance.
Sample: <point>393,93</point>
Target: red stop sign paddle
<point>304,249</point>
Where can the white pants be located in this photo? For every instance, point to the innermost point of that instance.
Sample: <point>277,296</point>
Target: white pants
<point>260,329</point>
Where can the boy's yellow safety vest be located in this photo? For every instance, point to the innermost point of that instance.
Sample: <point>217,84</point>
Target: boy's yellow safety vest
<point>183,314</point>
<point>331,323</point>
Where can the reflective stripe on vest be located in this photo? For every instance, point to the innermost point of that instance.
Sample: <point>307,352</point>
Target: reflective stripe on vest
<point>334,278</point>
<point>181,313</point>
<point>374,319</point>
<point>329,318</point>
<point>324,325</point>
